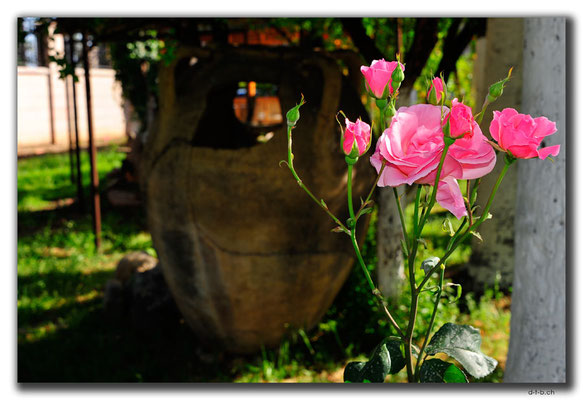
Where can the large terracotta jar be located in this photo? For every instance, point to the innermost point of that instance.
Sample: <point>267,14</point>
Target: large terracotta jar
<point>246,254</point>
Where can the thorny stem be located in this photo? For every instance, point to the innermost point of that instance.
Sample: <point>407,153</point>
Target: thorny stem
<point>416,212</point>
<point>364,204</point>
<point>411,263</point>
<point>456,234</point>
<point>290,165</point>
<point>371,284</point>
<point>460,239</point>
<point>402,217</point>
<point>432,320</point>
<point>434,192</point>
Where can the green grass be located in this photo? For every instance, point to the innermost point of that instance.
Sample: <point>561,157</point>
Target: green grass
<point>64,335</point>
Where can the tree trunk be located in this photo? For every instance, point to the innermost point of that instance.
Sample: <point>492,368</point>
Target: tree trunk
<point>493,258</point>
<point>390,263</point>
<point>390,267</point>
<point>537,340</point>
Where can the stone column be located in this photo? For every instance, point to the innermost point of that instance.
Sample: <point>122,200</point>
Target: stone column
<point>537,333</point>
<point>499,51</point>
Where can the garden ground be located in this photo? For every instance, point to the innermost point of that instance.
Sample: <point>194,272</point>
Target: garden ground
<point>64,335</point>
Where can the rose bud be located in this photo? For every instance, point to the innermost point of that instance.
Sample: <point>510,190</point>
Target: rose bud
<point>397,77</point>
<point>293,115</point>
<point>460,119</point>
<point>496,89</point>
<point>356,138</point>
<point>436,91</point>
<point>378,78</point>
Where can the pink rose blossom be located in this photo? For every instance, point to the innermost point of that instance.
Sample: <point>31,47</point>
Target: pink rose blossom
<point>412,147</point>
<point>436,88</point>
<point>461,119</point>
<point>378,77</point>
<point>449,196</point>
<point>356,134</point>
<point>521,135</point>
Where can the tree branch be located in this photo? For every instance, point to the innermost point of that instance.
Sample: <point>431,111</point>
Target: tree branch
<point>423,44</point>
<point>364,43</point>
<point>455,43</point>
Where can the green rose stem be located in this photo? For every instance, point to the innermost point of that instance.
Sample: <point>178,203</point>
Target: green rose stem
<point>320,203</point>
<point>456,234</point>
<point>365,202</point>
<point>425,215</point>
<point>386,111</point>
<point>432,320</point>
<point>411,264</point>
<point>293,117</point>
<point>509,160</point>
<point>352,225</point>
<point>416,211</point>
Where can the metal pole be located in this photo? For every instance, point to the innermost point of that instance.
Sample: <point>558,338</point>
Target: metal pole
<point>69,124</point>
<point>80,197</point>
<point>43,57</point>
<point>96,209</point>
<point>51,105</point>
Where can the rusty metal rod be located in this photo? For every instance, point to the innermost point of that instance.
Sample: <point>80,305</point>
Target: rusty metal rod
<point>80,197</point>
<point>96,209</point>
<point>69,123</point>
<point>95,200</point>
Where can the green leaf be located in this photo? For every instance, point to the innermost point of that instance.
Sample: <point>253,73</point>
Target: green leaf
<point>477,234</point>
<point>387,358</point>
<point>429,263</point>
<point>454,375</point>
<point>458,293</point>
<point>366,210</point>
<point>435,370</point>
<point>446,226</point>
<point>462,342</point>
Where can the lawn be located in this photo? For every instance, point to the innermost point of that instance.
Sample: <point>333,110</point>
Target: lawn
<point>64,335</point>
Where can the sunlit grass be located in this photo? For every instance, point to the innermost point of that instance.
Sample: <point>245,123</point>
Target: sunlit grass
<point>43,180</point>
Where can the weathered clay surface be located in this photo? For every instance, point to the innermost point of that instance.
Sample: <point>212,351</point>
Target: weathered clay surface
<point>246,254</point>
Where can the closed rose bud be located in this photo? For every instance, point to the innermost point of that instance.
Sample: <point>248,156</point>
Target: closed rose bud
<point>496,90</point>
<point>293,115</point>
<point>356,138</point>
<point>397,77</point>
<point>436,91</point>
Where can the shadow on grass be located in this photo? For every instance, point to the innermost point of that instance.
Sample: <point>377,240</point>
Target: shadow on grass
<point>92,350</point>
<point>87,346</point>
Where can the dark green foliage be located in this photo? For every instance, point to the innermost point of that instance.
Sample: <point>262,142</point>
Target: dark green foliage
<point>386,358</point>
<point>435,370</point>
<point>462,342</point>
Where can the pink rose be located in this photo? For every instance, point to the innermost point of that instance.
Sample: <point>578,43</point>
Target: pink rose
<point>521,135</point>
<point>460,119</point>
<point>356,138</point>
<point>378,77</point>
<point>435,91</point>
<point>412,147</point>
